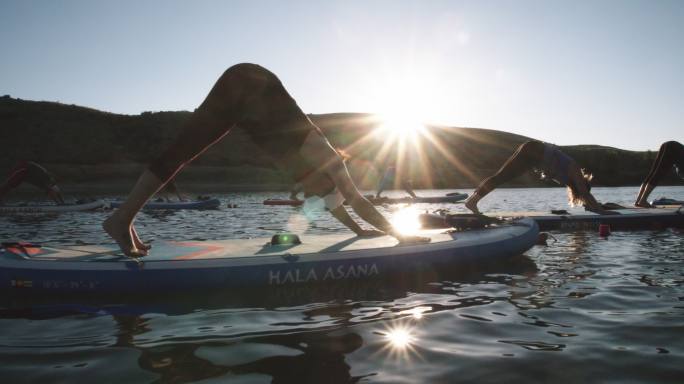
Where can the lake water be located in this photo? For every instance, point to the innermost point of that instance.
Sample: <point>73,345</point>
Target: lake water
<point>582,309</point>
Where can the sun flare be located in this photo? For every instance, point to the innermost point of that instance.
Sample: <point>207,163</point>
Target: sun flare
<point>400,125</point>
<point>406,220</point>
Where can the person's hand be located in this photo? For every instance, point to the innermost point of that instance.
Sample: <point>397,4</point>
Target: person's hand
<point>370,233</point>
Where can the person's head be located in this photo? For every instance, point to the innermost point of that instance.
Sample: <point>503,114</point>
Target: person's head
<point>578,193</point>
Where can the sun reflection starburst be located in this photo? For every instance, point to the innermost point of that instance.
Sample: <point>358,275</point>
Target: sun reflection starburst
<point>400,338</point>
<point>399,342</point>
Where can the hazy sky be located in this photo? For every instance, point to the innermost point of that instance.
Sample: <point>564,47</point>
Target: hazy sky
<point>570,72</point>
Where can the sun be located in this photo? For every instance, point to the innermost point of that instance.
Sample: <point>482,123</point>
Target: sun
<point>401,114</point>
<point>400,124</point>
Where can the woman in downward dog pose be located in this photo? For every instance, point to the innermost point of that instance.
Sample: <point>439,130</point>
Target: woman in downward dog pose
<point>671,154</point>
<point>32,173</point>
<point>250,96</point>
<point>553,163</point>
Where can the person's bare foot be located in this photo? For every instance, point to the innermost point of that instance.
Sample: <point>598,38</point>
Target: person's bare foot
<point>122,236</point>
<point>138,243</point>
<point>643,204</point>
<point>472,205</point>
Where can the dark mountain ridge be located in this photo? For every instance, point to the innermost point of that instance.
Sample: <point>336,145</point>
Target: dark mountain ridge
<point>85,146</point>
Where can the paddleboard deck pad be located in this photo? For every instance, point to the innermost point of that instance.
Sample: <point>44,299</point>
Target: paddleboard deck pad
<point>623,219</point>
<point>185,265</point>
<point>51,208</point>
<point>160,205</point>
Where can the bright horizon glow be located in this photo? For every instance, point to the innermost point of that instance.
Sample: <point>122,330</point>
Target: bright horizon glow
<point>606,73</point>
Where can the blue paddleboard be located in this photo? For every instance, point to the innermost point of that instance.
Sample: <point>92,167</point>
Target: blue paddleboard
<point>51,208</point>
<point>196,204</point>
<point>666,201</point>
<point>184,265</point>
<point>622,219</point>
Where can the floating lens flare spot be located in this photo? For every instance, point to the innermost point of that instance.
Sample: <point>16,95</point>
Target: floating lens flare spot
<point>406,221</point>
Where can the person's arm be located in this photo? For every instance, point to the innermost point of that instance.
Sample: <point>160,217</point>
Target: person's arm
<point>295,191</point>
<point>56,195</point>
<point>318,150</point>
<point>341,214</point>
<point>590,203</point>
<point>364,208</point>
<point>340,175</point>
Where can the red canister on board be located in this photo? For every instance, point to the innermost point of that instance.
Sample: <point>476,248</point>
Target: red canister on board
<point>604,230</point>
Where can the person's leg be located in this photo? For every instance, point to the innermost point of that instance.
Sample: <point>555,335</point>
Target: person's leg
<point>408,187</point>
<point>381,187</point>
<point>208,124</point>
<point>525,157</point>
<point>670,153</point>
<point>16,177</point>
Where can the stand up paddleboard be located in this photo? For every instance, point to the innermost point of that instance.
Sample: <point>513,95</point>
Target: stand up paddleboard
<point>253,262</point>
<point>666,201</point>
<point>196,204</point>
<point>51,208</point>
<point>624,219</point>
<point>450,198</point>
<point>292,203</point>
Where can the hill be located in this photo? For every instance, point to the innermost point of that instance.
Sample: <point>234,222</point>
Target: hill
<point>90,148</point>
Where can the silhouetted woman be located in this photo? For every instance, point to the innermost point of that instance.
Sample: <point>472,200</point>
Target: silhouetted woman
<point>32,173</point>
<point>249,96</point>
<point>671,154</point>
<point>554,164</point>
